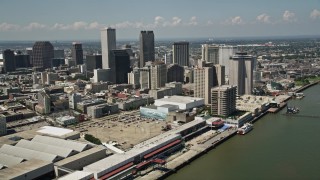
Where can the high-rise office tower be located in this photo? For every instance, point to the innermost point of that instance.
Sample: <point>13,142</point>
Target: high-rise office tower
<point>77,53</point>
<point>134,77</point>
<point>9,64</point>
<point>225,53</point>
<point>181,53</point>
<point>223,100</point>
<point>58,53</point>
<point>108,43</point>
<point>74,99</point>
<point>94,62</point>
<point>241,72</point>
<point>22,60</point>
<point>122,65</point>
<point>203,82</point>
<point>219,72</point>
<point>42,53</point>
<point>3,126</point>
<point>101,75</point>
<point>158,75</point>
<point>146,47</point>
<point>210,53</point>
<point>145,78</point>
<point>175,73</point>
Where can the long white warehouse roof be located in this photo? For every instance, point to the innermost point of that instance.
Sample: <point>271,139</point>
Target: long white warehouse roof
<point>56,150</point>
<point>28,154</point>
<point>8,160</point>
<point>77,146</point>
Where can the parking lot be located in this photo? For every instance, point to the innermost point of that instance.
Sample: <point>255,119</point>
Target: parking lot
<point>127,129</point>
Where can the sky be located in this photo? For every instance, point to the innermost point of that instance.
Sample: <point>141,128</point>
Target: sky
<point>83,19</point>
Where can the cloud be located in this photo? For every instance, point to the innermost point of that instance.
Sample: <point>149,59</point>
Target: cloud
<point>193,21</point>
<point>34,26</point>
<point>288,16</point>
<point>158,21</point>
<point>176,21</point>
<point>264,18</point>
<point>315,14</point>
<point>8,27</point>
<point>237,20</point>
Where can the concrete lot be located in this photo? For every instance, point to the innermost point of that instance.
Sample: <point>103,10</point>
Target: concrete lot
<point>127,129</point>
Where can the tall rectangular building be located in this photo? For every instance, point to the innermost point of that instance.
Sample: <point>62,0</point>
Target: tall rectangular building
<point>9,64</point>
<point>225,53</point>
<point>203,82</point>
<point>210,53</point>
<point>108,43</point>
<point>94,62</point>
<point>42,54</point>
<point>77,53</point>
<point>181,53</point>
<point>146,47</point>
<point>241,72</point>
<point>219,71</point>
<point>145,78</point>
<point>121,61</point>
<point>223,100</point>
<point>158,75</point>
<point>22,60</point>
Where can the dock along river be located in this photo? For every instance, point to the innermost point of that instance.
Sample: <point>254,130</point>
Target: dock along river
<point>279,147</point>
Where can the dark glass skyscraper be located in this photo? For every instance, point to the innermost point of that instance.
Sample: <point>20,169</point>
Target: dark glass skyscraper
<point>94,62</point>
<point>122,65</point>
<point>77,53</point>
<point>181,53</point>
<point>146,47</point>
<point>8,61</point>
<point>42,53</point>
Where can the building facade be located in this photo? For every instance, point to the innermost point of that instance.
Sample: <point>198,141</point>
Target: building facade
<point>175,73</point>
<point>219,71</point>
<point>203,82</point>
<point>108,43</point>
<point>122,67</point>
<point>146,47</point>
<point>9,64</point>
<point>225,53</point>
<point>210,53</point>
<point>241,72</point>
<point>94,62</point>
<point>181,53</point>
<point>77,53</point>
<point>42,54</point>
<point>223,100</point>
<point>158,73</point>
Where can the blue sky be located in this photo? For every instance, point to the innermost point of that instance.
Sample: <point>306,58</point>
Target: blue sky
<point>83,19</point>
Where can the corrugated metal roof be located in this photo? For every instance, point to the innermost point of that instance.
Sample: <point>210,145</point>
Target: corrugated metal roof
<point>28,154</point>
<point>77,175</point>
<point>56,150</point>
<point>9,161</point>
<point>77,146</point>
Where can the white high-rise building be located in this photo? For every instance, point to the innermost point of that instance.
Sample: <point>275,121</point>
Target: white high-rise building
<point>223,100</point>
<point>210,53</point>
<point>158,73</point>
<point>225,53</point>
<point>203,82</point>
<point>108,43</point>
<point>241,72</point>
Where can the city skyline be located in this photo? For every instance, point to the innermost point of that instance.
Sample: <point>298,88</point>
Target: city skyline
<point>83,20</point>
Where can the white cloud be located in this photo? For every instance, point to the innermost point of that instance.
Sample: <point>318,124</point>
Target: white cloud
<point>264,18</point>
<point>209,23</point>
<point>237,20</point>
<point>176,21</point>
<point>8,27</point>
<point>34,26</point>
<point>193,21</point>
<point>315,14</point>
<point>288,16</point>
<point>159,21</point>
<point>94,25</point>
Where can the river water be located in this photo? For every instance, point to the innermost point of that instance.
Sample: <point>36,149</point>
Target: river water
<point>279,147</point>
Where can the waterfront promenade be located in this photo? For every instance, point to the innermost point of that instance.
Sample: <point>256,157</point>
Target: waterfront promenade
<point>196,147</point>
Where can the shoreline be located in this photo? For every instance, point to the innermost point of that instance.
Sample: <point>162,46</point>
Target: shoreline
<point>184,161</point>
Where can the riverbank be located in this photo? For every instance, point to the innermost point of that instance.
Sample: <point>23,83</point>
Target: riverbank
<point>196,150</point>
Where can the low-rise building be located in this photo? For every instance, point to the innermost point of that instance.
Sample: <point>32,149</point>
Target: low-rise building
<point>66,120</point>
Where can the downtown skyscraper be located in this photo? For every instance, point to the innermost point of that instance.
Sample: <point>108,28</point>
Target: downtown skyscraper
<point>77,53</point>
<point>146,47</point>
<point>181,53</point>
<point>42,54</point>
<point>108,43</point>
